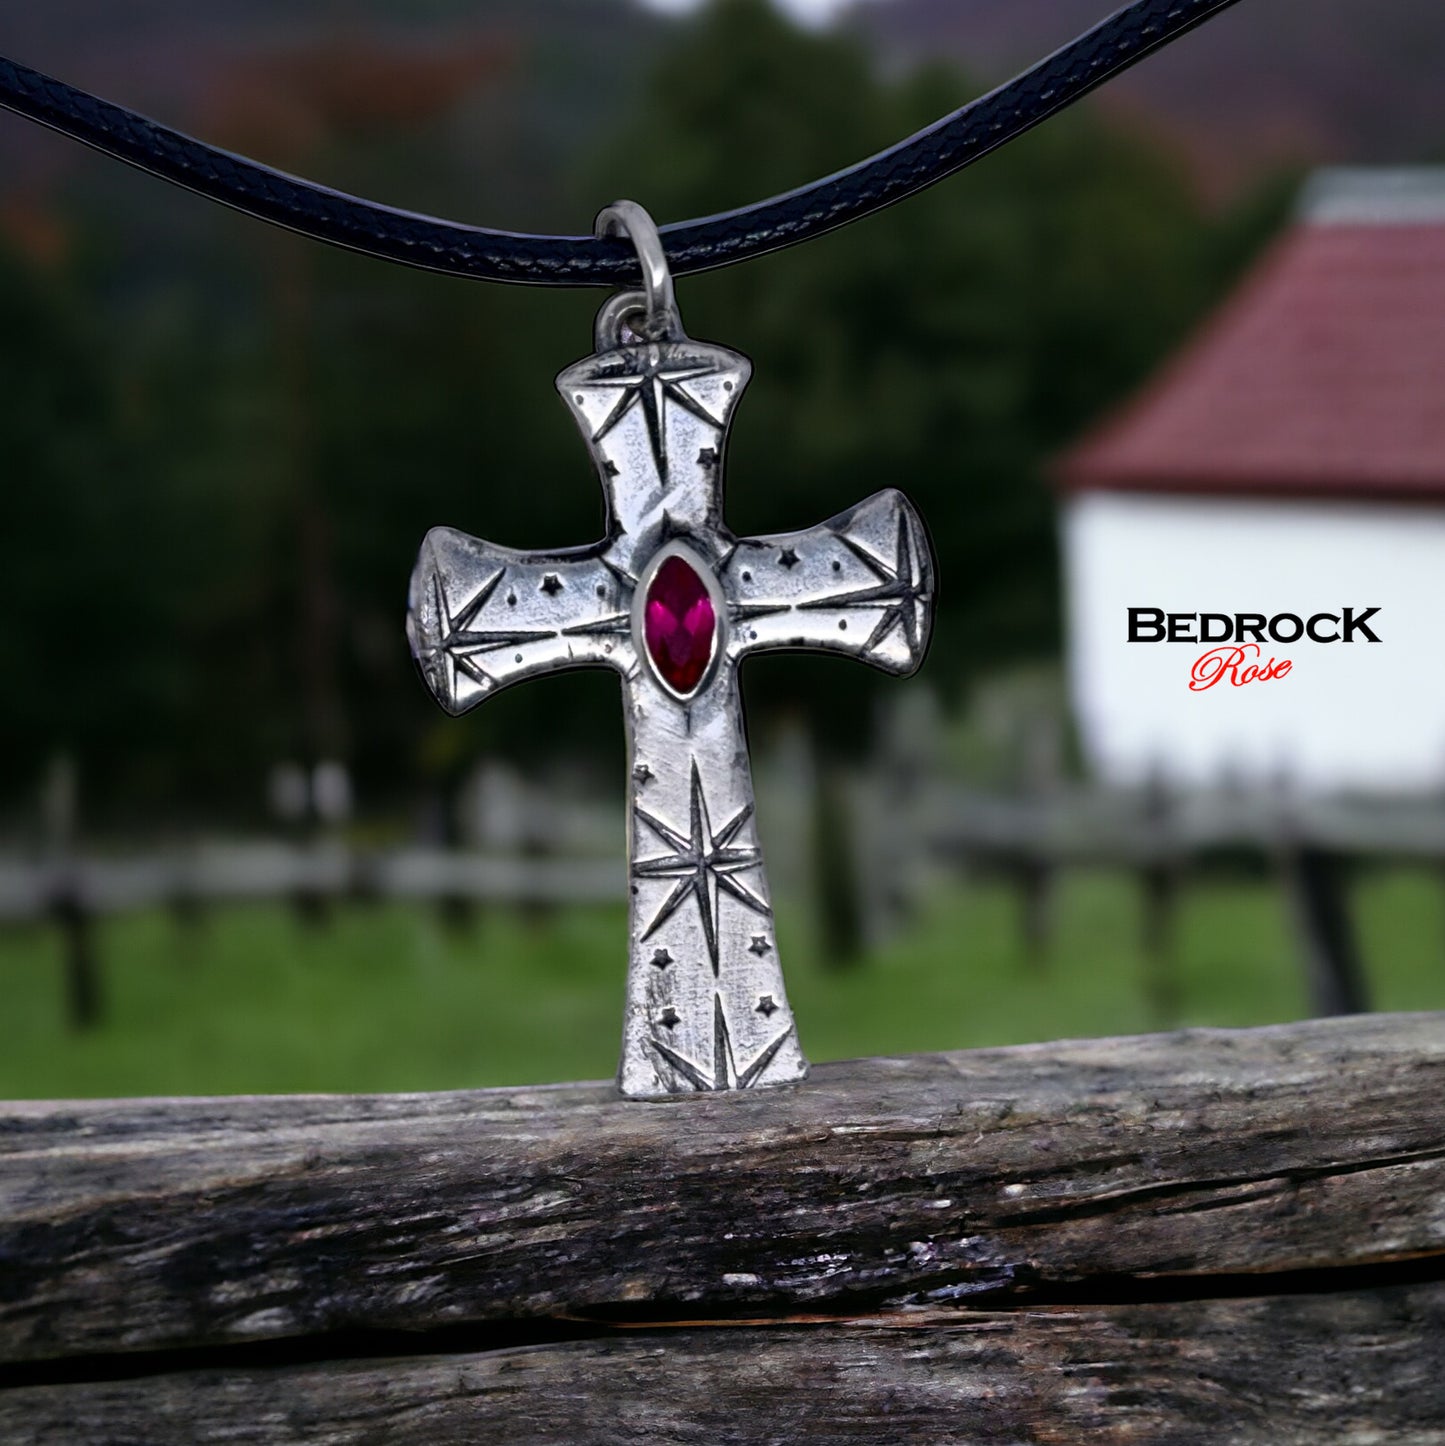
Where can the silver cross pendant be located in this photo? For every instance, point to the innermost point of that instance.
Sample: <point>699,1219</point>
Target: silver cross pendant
<point>674,602</point>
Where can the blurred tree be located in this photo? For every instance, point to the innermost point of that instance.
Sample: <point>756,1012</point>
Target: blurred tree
<point>176,436</point>
<point>946,346</point>
<point>87,662</point>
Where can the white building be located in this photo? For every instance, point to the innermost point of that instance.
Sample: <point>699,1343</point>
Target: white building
<point>1290,464</point>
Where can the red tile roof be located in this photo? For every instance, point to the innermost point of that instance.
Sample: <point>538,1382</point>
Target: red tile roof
<point>1323,374</point>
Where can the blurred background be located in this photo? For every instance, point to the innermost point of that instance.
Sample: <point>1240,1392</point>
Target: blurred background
<point>240,848</point>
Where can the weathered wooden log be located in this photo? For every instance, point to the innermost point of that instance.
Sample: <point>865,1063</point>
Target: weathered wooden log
<point>1210,1235</point>
<point>146,1225</point>
<point>1352,1368</point>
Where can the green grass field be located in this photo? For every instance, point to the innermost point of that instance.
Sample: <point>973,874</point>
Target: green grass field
<point>391,998</point>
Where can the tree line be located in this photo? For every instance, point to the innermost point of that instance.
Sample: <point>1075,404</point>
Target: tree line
<point>217,476</point>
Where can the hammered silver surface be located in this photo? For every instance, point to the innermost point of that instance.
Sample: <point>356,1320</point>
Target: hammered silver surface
<point>706,1008</point>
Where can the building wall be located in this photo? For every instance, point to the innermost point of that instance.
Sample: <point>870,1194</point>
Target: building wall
<point>1346,716</point>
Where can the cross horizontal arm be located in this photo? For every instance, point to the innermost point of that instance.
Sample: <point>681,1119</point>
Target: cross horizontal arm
<point>861,584</point>
<point>481,617</point>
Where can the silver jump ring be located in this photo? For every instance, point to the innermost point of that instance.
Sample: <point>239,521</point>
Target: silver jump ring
<point>657,302</point>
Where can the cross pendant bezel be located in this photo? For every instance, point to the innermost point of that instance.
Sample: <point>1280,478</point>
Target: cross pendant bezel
<point>677,547</point>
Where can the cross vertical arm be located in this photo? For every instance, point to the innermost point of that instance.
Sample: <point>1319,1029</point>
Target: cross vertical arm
<point>655,418</point>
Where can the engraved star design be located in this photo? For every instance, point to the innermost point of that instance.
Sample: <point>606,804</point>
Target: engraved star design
<point>760,945</point>
<point>725,1074</point>
<point>458,641</point>
<point>901,590</point>
<point>704,863</point>
<point>660,380</point>
<point>614,624</point>
<point>742,612</point>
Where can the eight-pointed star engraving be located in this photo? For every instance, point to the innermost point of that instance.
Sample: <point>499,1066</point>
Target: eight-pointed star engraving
<point>725,1074</point>
<point>654,378</point>
<point>458,641</point>
<point>901,590</point>
<point>704,863</point>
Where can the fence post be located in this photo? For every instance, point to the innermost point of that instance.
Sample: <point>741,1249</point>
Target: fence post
<point>1033,871</point>
<point>60,811</point>
<point>1159,878</point>
<point>835,861</point>
<point>82,981</point>
<point>1317,882</point>
<point>895,793</point>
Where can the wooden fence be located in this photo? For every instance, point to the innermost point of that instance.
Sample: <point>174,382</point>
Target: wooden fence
<point>75,893</point>
<point>230,874</point>
<point>1310,844</point>
<point>916,822</point>
<point>1210,1236</point>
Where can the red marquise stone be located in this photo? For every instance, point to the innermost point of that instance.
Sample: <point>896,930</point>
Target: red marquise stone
<point>679,625</point>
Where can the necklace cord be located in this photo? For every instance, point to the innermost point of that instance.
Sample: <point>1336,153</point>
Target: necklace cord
<point>981,126</point>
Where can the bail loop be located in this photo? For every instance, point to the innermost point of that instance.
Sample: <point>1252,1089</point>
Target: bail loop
<point>652,312</point>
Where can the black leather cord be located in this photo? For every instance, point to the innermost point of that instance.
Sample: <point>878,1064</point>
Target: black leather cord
<point>425,241</point>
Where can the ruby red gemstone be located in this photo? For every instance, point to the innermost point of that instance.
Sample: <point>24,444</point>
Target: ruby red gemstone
<point>679,624</point>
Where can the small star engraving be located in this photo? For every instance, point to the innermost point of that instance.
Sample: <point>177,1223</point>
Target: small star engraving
<point>643,774</point>
<point>551,584</point>
<point>610,467</point>
<point>760,945</point>
<point>707,457</point>
<point>669,1018</point>
<point>704,862</point>
<point>766,1007</point>
<point>661,958</point>
<point>788,558</point>
<point>724,1073</point>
